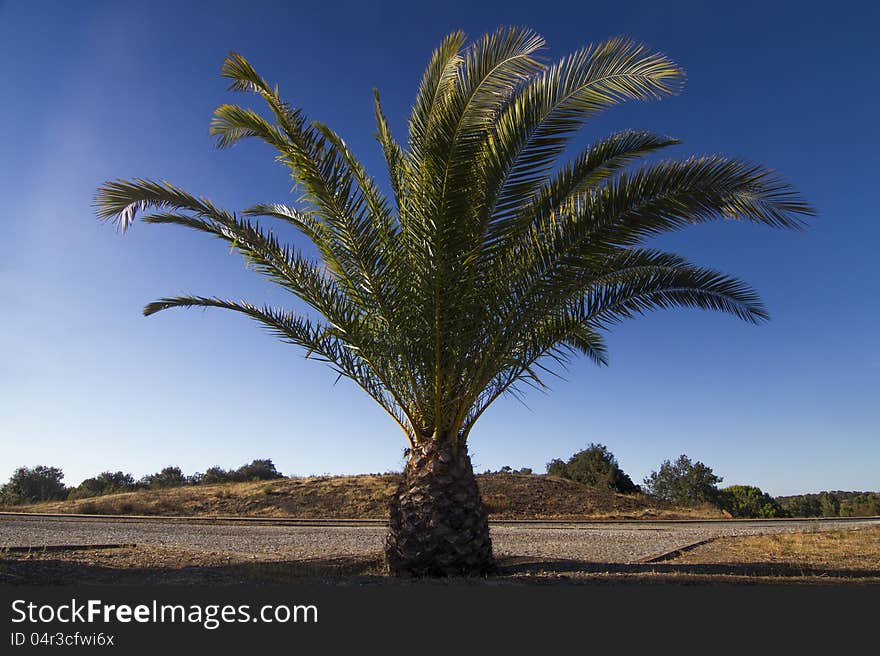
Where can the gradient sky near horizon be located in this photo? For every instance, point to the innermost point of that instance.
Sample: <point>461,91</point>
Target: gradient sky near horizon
<point>101,90</point>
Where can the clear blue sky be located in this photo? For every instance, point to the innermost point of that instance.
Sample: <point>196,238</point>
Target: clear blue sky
<point>101,90</point>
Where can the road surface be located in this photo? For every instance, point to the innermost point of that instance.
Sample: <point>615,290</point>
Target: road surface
<point>610,542</point>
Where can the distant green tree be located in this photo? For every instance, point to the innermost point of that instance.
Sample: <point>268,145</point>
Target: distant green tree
<point>168,477</point>
<point>683,482</point>
<point>749,501</point>
<point>866,504</point>
<point>215,475</point>
<point>829,504</point>
<point>31,484</point>
<point>802,505</point>
<point>832,504</point>
<point>104,483</point>
<point>117,481</point>
<point>90,487</point>
<point>257,470</point>
<point>859,504</point>
<point>556,467</point>
<point>595,466</point>
<point>507,469</point>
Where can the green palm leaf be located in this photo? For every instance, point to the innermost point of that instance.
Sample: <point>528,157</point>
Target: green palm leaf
<point>493,264</point>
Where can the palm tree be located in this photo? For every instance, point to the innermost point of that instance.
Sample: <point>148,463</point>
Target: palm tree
<point>489,266</point>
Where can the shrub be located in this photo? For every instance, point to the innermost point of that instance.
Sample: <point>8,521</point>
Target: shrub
<point>215,475</point>
<point>258,470</point>
<point>104,483</point>
<point>802,505</point>
<point>595,466</point>
<point>90,487</point>
<point>168,477</point>
<point>831,504</point>
<point>507,469</point>
<point>683,483</point>
<point>31,484</point>
<point>748,501</point>
<point>556,467</point>
<point>859,504</point>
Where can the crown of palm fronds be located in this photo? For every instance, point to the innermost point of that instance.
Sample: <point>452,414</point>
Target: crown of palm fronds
<point>489,262</point>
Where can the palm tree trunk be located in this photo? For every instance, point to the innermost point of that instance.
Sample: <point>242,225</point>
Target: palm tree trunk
<point>439,525</point>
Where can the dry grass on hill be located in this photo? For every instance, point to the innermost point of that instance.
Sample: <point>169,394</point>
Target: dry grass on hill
<point>507,496</point>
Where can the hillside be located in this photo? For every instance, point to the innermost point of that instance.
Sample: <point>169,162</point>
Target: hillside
<point>507,496</point>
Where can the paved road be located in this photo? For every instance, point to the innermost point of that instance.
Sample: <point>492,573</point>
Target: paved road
<point>613,542</point>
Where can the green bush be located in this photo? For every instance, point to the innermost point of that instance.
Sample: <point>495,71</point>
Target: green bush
<point>832,504</point>
<point>32,484</point>
<point>507,469</point>
<point>215,475</point>
<point>104,483</point>
<point>257,470</point>
<point>684,483</point>
<point>748,501</point>
<point>595,466</point>
<point>829,505</point>
<point>859,504</point>
<point>168,477</point>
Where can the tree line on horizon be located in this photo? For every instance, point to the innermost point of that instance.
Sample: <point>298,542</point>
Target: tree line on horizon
<point>682,482</point>
<point>687,483</point>
<point>42,483</point>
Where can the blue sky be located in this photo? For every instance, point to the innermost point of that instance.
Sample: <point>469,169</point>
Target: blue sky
<point>94,91</point>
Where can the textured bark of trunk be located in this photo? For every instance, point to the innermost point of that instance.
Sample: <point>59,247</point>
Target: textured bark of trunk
<point>439,525</point>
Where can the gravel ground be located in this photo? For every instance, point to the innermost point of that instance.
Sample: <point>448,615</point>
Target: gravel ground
<point>609,543</point>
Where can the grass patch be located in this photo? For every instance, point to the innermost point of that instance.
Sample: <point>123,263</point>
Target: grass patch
<point>844,551</point>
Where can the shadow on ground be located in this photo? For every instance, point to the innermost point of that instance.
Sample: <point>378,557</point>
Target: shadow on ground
<point>60,571</point>
<point>50,569</point>
<point>749,570</point>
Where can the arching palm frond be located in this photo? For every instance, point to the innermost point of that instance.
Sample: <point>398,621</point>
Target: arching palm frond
<point>491,264</point>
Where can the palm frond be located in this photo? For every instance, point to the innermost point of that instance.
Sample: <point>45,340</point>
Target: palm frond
<point>320,342</point>
<point>395,158</point>
<point>437,84</point>
<point>595,164</point>
<point>493,267</point>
